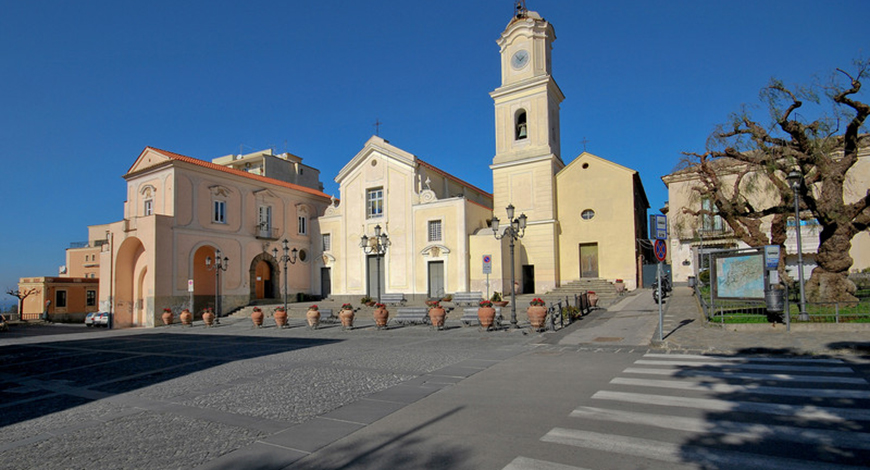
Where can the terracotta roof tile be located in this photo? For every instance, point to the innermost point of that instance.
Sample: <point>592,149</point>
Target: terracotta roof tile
<point>233,171</point>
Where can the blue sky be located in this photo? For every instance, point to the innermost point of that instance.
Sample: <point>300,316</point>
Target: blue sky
<point>87,85</point>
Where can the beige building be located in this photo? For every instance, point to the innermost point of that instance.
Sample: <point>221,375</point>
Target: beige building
<point>584,219</point>
<point>689,234</point>
<point>63,298</point>
<point>181,211</point>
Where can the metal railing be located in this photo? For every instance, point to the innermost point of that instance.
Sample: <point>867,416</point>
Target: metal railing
<point>755,311</point>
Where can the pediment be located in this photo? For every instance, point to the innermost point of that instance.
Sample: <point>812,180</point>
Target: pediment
<point>435,251</point>
<point>264,195</point>
<point>148,158</point>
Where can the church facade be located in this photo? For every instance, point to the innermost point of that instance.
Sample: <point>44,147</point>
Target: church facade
<point>583,219</point>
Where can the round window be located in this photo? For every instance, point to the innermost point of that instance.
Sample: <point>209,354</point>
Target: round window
<point>303,255</point>
<point>587,214</point>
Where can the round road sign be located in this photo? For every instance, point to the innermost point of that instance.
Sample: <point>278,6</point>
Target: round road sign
<point>661,250</point>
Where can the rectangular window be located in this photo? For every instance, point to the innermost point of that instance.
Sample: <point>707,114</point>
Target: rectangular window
<point>265,218</point>
<point>60,298</point>
<point>149,207</point>
<point>711,222</point>
<point>303,225</point>
<point>375,203</point>
<point>220,212</point>
<point>91,298</point>
<point>327,242</point>
<point>434,230</point>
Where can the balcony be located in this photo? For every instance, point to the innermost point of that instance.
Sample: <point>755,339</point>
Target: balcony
<point>265,232</point>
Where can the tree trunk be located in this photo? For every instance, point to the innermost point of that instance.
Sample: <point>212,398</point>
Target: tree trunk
<point>829,281</point>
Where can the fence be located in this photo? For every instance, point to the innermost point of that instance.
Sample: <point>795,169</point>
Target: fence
<point>755,311</point>
<point>560,315</point>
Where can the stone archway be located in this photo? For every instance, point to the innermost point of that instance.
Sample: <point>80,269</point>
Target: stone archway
<point>130,284</point>
<point>265,278</point>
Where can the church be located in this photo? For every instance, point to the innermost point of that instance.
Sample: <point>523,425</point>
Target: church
<point>196,230</point>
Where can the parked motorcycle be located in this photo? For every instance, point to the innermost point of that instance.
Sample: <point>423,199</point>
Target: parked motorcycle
<point>666,289</point>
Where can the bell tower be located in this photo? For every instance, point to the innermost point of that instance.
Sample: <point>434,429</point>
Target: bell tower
<point>527,142</point>
<point>527,102</point>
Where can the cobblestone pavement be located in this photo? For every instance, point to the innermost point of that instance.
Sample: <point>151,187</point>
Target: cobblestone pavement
<point>182,397</point>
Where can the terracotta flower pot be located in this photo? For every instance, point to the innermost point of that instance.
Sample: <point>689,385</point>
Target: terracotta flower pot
<point>257,318</point>
<point>313,317</point>
<point>280,318</point>
<point>620,287</point>
<point>186,317</point>
<point>486,315</point>
<point>593,299</point>
<point>208,318</point>
<point>167,318</point>
<point>436,316</point>
<point>501,303</point>
<point>537,315</point>
<point>381,315</point>
<point>370,304</point>
<point>346,317</point>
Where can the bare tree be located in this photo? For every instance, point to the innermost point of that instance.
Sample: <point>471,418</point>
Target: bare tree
<point>747,162</point>
<point>22,294</point>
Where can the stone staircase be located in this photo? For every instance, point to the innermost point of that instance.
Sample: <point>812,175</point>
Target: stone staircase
<point>606,291</point>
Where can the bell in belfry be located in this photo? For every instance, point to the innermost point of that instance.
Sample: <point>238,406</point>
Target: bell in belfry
<point>521,132</point>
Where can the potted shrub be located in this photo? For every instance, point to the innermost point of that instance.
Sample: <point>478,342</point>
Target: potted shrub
<point>186,317</point>
<point>167,316</point>
<point>497,301</point>
<point>257,317</point>
<point>620,286</point>
<point>313,316</point>
<point>367,301</point>
<point>280,317</point>
<point>537,313</point>
<point>486,313</point>
<point>208,316</point>
<point>346,316</point>
<point>381,315</point>
<point>447,298</point>
<point>436,314</point>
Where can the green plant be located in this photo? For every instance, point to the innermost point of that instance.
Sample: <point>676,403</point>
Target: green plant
<point>346,307</point>
<point>704,276</point>
<point>537,302</point>
<point>485,303</point>
<point>365,300</point>
<point>447,298</point>
<point>496,296</point>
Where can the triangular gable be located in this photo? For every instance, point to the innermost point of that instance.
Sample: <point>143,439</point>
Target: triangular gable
<point>588,157</point>
<point>382,147</point>
<point>147,159</point>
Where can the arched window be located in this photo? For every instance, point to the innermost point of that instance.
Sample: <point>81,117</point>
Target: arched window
<point>521,127</point>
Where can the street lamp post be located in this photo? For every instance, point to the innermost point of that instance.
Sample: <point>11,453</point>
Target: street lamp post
<point>515,230</point>
<point>795,179</point>
<point>218,266</point>
<point>378,245</point>
<point>289,255</point>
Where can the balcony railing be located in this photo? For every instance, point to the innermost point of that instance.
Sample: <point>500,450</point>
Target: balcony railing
<point>265,233</point>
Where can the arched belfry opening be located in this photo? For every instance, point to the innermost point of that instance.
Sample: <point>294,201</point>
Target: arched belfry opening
<point>521,127</point>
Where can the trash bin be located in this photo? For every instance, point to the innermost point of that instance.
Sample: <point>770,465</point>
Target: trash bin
<point>775,300</point>
<point>692,282</point>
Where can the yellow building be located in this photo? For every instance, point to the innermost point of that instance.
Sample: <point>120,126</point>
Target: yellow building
<point>584,219</point>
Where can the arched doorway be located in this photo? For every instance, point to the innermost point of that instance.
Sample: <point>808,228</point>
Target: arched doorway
<point>131,283</point>
<point>203,279</point>
<point>264,277</point>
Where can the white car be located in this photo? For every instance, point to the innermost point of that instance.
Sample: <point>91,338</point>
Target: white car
<point>97,319</point>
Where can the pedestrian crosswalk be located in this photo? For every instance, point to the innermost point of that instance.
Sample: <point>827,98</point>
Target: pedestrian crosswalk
<point>716,412</point>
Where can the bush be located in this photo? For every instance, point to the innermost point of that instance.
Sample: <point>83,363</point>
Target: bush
<point>704,276</point>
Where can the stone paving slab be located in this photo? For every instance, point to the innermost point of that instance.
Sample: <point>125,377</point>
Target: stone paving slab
<point>313,435</point>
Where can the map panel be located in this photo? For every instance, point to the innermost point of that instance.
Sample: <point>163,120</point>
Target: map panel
<point>740,277</point>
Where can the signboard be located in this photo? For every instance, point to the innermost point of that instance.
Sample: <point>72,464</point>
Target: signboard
<point>771,256</point>
<point>738,276</point>
<point>487,264</point>
<point>190,285</point>
<point>658,227</point>
<point>661,250</point>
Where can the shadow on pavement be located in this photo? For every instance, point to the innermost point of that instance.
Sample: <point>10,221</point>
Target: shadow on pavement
<point>39,379</point>
<point>771,413</point>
